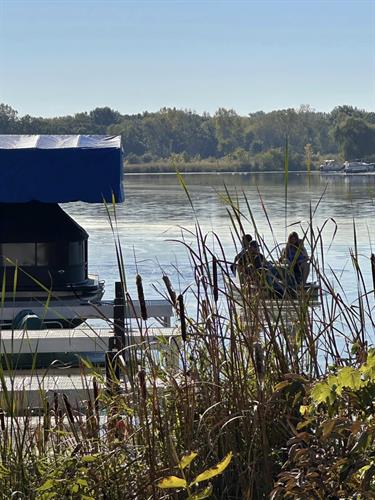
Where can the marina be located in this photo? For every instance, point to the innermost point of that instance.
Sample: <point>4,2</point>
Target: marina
<point>348,167</point>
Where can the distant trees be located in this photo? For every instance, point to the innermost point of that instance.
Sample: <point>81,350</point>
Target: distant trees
<point>104,116</point>
<point>356,137</point>
<point>8,119</point>
<point>257,139</point>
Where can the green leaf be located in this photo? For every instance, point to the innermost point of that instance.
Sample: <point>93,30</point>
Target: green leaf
<point>4,472</point>
<point>281,385</point>
<point>214,471</point>
<point>172,482</point>
<point>203,493</point>
<point>89,458</point>
<point>75,488</point>
<point>349,377</point>
<point>371,358</point>
<point>304,410</point>
<point>368,368</point>
<point>364,469</point>
<point>368,477</point>
<point>187,459</point>
<point>304,423</point>
<point>321,392</point>
<point>82,482</point>
<point>47,485</point>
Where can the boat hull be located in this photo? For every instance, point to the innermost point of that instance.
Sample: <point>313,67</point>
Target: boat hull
<point>39,309</point>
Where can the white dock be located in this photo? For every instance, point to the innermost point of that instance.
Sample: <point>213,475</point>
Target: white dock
<point>77,340</point>
<point>62,309</point>
<point>32,388</point>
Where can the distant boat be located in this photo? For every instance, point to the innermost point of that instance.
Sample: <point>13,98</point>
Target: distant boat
<point>331,166</point>
<point>358,167</point>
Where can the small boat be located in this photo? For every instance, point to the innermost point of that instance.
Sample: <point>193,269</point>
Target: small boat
<point>331,166</point>
<point>357,167</point>
<point>43,251</point>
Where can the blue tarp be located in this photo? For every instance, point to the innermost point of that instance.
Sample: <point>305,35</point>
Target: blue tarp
<point>59,169</point>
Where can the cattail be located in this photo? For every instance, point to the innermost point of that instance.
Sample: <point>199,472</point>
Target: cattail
<point>181,309</point>
<point>69,411</point>
<point>46,423</point>
<point>259,361</point>
<point>142,384</point>
<point>141,298</point>
<point>204,310</point>
<point>214,273</point>
<point>373,270</point>
<point>171,292</point>
<point>96,398</point>
<point>2,420</point>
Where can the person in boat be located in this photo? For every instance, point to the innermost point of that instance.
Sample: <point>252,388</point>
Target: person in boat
<point>297,259</point>
<point>261,271</point>
<point>241,261</point>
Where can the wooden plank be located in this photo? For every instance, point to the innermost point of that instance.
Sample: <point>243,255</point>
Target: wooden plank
<point>76,340</point>
<point>70,309</point>
<point>30,389</point>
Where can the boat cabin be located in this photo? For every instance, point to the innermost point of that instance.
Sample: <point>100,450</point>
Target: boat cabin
<point>46,246</point>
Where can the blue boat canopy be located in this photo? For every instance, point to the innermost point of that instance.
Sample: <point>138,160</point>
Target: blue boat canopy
<point>60,168</point>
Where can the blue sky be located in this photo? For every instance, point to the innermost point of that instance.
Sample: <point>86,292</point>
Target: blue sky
<point>62,57</point>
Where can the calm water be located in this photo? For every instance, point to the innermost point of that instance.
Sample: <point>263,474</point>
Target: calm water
<point>156,209</point>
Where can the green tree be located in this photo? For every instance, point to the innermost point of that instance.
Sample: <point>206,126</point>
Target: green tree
<point>8,119</point>
<point>104,116</point>
<point>356,137</point>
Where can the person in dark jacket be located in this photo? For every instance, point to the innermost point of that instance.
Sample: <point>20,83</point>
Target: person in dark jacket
<point>241,261</point>
<point>297,259</point>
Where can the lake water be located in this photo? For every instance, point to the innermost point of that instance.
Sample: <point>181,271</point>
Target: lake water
<point>156,208</point>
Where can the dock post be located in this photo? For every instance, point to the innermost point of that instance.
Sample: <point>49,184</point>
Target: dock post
<point>118,341</point>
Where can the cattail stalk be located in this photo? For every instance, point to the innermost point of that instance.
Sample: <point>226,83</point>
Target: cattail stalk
<point>171,292</point>
<point>141,298</point>
<point>181,308</point>
<point>214,275</point>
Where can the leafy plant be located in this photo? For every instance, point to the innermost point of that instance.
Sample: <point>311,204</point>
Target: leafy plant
<point>183,483</point>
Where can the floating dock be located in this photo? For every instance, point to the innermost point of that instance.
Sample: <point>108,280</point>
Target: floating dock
<point>33,387</point>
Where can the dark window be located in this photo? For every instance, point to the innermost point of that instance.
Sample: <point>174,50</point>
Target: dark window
<point>22,254</point>
<point>76,253</point>
<point>42,254</point>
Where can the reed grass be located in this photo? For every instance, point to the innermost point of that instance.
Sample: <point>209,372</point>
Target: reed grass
<point>246,366</point>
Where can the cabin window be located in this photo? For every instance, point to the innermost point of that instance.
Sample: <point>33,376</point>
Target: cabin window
<point>76,253</point>
<point>52,254</point>
<point>22,254</point>
<point>42,254</point>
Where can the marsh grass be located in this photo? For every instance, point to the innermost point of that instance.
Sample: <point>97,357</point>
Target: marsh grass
<point>246,366</point>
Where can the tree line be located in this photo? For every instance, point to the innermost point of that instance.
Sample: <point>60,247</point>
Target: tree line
<point>255,140</point>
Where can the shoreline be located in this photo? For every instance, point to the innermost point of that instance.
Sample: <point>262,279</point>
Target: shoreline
<point>139,169</point>
<point>224,172</point>
<point>200,168</point>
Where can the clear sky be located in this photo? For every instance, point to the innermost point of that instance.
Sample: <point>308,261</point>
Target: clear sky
<point>62,57</point>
